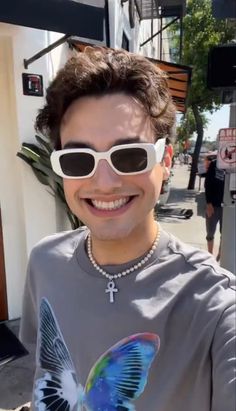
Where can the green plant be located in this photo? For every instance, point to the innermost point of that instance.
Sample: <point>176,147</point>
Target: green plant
<point>38,158</point>
<point>202,32</point>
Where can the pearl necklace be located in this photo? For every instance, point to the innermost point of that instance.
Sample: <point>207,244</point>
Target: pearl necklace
<point>111,286</point>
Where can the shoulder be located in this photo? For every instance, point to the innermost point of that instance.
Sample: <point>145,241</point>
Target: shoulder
<point>198,266</point>
<point>63,243</point>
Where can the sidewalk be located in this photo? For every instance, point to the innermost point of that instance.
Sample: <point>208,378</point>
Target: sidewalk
<point>191,231</point>
<point>16,377</point>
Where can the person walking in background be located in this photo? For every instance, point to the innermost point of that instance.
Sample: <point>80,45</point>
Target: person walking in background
<point>214,192</point>
<point>168,164</point>
<point>168,157</point>
<point>169,150</point>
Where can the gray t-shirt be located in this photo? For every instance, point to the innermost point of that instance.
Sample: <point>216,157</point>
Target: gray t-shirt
<point>181,294</point>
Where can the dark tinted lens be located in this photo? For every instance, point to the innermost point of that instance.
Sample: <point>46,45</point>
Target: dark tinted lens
<point>129,160</point>
<point>77,164</point>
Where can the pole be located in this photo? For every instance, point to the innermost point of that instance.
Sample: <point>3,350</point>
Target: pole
<point>228,237</point>
<point>41,53</point>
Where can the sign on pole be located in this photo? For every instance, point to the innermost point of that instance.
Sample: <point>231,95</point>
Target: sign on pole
<point>226,158</point>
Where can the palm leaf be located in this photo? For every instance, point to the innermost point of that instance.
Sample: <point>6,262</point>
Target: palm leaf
<point>47,146</point>
<point>38,158</point>
<point>43,179</point>
<point>31,147</point>
<point>30,153</point>
<point>25,158</point>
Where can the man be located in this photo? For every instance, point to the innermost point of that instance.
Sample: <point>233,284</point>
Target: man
<point>214,193</point>
<point>124,316</point>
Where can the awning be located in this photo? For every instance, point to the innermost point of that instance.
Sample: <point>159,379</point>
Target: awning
<point>179,79</point>
<point>63,16</point>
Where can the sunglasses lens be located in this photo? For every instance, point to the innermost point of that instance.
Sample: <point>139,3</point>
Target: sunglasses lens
<point>77,164</point>
<point>129,160</point>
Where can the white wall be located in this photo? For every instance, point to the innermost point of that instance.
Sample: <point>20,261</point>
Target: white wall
<point>29,212</point>
<point>11,198</point>
<point>150,49</point>
<point>119,23</point>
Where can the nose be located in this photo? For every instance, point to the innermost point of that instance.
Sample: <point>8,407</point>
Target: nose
<point>105,178</point>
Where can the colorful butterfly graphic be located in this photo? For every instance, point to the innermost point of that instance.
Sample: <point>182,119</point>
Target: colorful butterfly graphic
<point>114,382</point>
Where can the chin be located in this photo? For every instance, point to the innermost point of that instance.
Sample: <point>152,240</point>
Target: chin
<point>111,234</point>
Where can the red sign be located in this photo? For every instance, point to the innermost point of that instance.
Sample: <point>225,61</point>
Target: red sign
<point>226,158</point>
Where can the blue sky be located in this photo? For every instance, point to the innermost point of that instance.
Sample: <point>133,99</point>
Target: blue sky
<point>219,119</point>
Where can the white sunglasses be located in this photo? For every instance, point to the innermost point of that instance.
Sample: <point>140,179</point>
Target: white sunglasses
<point>125,159</point>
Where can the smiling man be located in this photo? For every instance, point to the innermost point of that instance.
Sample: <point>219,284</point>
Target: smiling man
<point>123,315</point>
<point>116,207</point>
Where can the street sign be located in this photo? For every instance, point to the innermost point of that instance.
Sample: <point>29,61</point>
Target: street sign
<point>226,158</point>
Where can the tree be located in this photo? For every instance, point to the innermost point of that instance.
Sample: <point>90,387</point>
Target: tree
<point>201,33</point>
<point>187,126</point>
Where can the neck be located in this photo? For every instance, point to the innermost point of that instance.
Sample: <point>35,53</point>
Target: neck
<point>121,251</point>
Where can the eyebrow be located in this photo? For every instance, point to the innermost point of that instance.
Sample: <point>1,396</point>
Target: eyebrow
<point>127,140</point>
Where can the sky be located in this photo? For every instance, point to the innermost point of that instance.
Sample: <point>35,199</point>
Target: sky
<point>219,119</point>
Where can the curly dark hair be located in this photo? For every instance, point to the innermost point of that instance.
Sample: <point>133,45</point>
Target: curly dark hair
<point>100,71</point>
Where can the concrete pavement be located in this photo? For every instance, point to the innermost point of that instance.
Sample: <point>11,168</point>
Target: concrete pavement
<point>191,231</point>
<point>16,377</point>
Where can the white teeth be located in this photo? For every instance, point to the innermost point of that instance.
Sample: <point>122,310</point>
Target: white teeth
<point>110,205</point>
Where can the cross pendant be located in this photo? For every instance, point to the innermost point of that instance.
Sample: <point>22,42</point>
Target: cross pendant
<point>111,289</point>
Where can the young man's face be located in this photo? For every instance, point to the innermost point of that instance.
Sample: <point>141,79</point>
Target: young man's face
<point>112,206</point>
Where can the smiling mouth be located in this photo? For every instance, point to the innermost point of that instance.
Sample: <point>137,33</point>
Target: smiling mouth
<point>109,205</point>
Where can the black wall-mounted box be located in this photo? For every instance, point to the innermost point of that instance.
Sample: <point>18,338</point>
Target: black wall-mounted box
<point>32,84</point>
<point>222,67</point>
